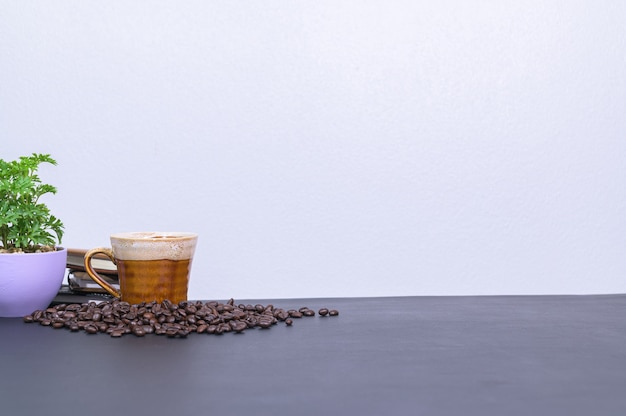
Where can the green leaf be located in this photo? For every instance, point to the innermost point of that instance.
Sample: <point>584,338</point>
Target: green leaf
<point>24,222</point>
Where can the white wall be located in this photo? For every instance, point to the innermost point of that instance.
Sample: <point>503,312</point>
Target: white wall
<point>334,148</point>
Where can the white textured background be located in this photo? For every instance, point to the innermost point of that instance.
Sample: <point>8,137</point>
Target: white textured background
<point>334,148</point>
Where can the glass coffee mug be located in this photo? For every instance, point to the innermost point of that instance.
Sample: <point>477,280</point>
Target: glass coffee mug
<point>151,266</point>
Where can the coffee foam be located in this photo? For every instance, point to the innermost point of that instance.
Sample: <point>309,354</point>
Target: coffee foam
<point>153,245</point>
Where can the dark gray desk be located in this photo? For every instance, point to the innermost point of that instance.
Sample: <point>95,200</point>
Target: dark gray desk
<point>550,355</point>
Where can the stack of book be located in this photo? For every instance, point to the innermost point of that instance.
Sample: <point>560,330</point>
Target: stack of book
<point>77,278</point>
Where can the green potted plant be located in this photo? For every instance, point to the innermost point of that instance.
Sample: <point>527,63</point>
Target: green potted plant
<point>32,265</point>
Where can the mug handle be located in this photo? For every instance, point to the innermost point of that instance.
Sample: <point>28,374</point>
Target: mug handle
<point>94,275</point>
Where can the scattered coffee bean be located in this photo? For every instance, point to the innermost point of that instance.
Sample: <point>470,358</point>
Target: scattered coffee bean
<point>69,314</point>
<point>240,326</point>
<point>294,314</point>
<point>264,323</point>
<point>118,318</point>
<point>91,329</point>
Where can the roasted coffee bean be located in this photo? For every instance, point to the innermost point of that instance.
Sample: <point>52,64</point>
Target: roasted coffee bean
<point>238,314</point>
<point>117,318</point>
<point>264,323</point>
<point>91,329</point>
<point>68,314</point>
<point>295,314</point>
<point>239,326</point>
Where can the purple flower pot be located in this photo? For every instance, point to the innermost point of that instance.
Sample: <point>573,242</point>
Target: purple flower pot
<point>29,281</point>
